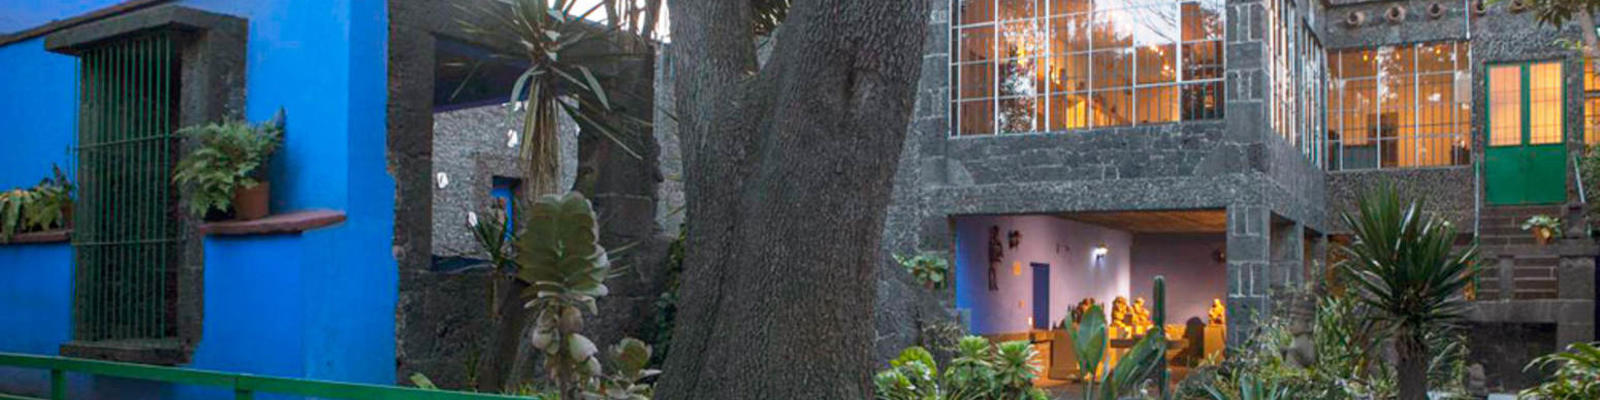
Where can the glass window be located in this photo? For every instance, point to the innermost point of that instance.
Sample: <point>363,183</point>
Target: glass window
<point>1505,105</point>
<point>1591,104</point>
<point>1544,103</point>
<point>1039,65</point>
<point>1399,107</point>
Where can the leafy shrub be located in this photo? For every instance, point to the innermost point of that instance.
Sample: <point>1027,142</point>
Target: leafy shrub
<point>39,208</point>
<point>225,157</point>
<point>1577,374</point>
<point>929,268</point>
<point>981,371</point>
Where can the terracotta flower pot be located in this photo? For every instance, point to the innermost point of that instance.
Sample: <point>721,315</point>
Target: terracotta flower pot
<point>1543,235</point>
<point>251,202</point>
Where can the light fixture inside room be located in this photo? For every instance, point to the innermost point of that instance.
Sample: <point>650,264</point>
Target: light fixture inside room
<point>1100,252</point>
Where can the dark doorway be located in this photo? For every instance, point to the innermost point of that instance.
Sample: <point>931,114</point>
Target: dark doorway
<point>1041,295</point>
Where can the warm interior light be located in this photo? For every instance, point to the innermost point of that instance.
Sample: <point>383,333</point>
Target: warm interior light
<point>1100,251</point>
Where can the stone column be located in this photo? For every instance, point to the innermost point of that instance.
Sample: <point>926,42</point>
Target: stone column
<point>1248,260</point>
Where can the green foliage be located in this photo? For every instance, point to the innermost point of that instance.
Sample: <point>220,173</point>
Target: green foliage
<point>53,199</point>
<point>561,259</point>
<point>41,207</point>
<point>981,371</point>
<point>12,204</point>
<point>1141,363</point>
<point>1557,12</point>
<point>1251,388</point>
<point>929,268</point>
<point>628,361</point>
<point>1403,264</point>
<point>225,157</point>
<point>1589,172</point>
<point>1577,374</point>
<point>1542,221</point>
<point>667,303</point>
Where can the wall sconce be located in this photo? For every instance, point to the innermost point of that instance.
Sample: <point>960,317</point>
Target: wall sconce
<point>1100,252</point>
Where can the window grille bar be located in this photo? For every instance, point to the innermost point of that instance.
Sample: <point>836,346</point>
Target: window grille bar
<point>125,234</point>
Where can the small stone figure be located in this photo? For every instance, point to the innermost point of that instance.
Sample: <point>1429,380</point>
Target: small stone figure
<point>1219,314</point>
<point>1141,317</point>
<point>1121,316</point>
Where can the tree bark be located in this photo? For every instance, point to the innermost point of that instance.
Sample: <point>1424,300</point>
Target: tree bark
<point>788,174</point>
<point>1412,352</point>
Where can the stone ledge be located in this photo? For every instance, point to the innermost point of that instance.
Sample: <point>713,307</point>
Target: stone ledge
<point>293,222</point>
<point>50,236</point>
<point>143,351</point>
<point>1558,311</point>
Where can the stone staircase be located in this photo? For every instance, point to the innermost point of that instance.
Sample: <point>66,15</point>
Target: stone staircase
<point>1515,266</point>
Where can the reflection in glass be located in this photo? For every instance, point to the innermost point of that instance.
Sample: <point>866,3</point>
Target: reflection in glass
<point>1067,64</point>
<point>1398,106</point>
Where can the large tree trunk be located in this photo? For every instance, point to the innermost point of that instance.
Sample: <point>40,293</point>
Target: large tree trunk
<point>1412,352</point>
<point>788,176</point>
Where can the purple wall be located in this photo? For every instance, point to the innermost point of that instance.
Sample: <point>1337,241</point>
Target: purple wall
<point>1063,244</point>
<point>1194,277</point>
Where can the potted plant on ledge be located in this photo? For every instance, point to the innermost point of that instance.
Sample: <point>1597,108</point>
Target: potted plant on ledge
<point>224,169</point>
<point>1544,227</point>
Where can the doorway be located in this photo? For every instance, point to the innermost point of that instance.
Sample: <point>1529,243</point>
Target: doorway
<point>1524,161</point>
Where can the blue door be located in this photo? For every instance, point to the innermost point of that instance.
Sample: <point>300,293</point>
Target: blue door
<point>1041,295</point>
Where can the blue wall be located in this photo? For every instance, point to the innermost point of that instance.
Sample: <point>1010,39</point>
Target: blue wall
<point>317,305</point>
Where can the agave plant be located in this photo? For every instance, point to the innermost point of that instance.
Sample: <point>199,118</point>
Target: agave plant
<point>1405,268</point>
<point>1251,388</point>
<point>1577,374</point>
<point>1145,360</point>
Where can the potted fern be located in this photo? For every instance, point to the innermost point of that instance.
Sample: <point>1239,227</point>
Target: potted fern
<point>224,169</point>
<point>1544,227</point>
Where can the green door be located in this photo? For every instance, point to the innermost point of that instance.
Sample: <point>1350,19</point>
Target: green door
<point>1524,162</point>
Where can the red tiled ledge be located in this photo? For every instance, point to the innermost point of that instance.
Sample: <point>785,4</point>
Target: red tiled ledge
<point>50,236</point>
<point>292,222</point>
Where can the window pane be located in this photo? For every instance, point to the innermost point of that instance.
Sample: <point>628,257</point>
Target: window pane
<point>974,12</point>
<point>1023,77</point>
<point>975,44</point>
<point>1544,101</point>
<point>1157,104</point>
<point>1069,34</point>
<point>1505,105</point>
<point>1438,57</point>
<point>1112,29</point>
<point>1359,122</point>
<point>975,80</point>
<point>1201,21</point>
<point>1111,107</point>
<point>1069,73</point>
<point>1070,6</point>
<point>1357,63</point>
<point>1202,100</point>
<point>1395,61</point>
<point>1022,39</point>
<point>1202,60</point>
<point>1397,119</point>
<point>1069,111</point>
<point>1020,9</point>
<point>976,117</point>
<point>1021,115</point>
<point>1112,68</point>
<point>1156,63</point>
<point>1436,125</point>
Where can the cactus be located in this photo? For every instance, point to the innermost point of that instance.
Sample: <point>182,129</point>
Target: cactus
<point>1159,293</point>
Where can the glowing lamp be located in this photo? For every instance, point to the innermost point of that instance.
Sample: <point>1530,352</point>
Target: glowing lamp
<point>1100,252</point>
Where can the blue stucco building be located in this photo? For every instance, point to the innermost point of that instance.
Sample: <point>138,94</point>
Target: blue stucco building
<point>313,297</point>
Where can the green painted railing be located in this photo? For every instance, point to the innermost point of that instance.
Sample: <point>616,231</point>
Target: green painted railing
<point>244,386</point>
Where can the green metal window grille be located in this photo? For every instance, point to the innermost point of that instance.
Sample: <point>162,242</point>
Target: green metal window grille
<point>125,227</point>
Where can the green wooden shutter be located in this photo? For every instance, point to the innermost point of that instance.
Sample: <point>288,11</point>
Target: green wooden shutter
<point>125,223</point>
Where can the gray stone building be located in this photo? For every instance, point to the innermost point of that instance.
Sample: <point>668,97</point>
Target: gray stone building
<point>1064,150</point>
<point>1087,146</point>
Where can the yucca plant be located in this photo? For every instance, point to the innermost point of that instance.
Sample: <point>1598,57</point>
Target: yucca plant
<point>1404,266</point>
<point>1577,374</point>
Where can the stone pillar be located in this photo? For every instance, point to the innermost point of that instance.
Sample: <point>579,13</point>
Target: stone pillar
<point>1248,273</point>
<point>1575,279</point>
<point>1288,255</point>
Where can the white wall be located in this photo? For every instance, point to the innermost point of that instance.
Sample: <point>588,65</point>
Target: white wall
<point>1063,244</point>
